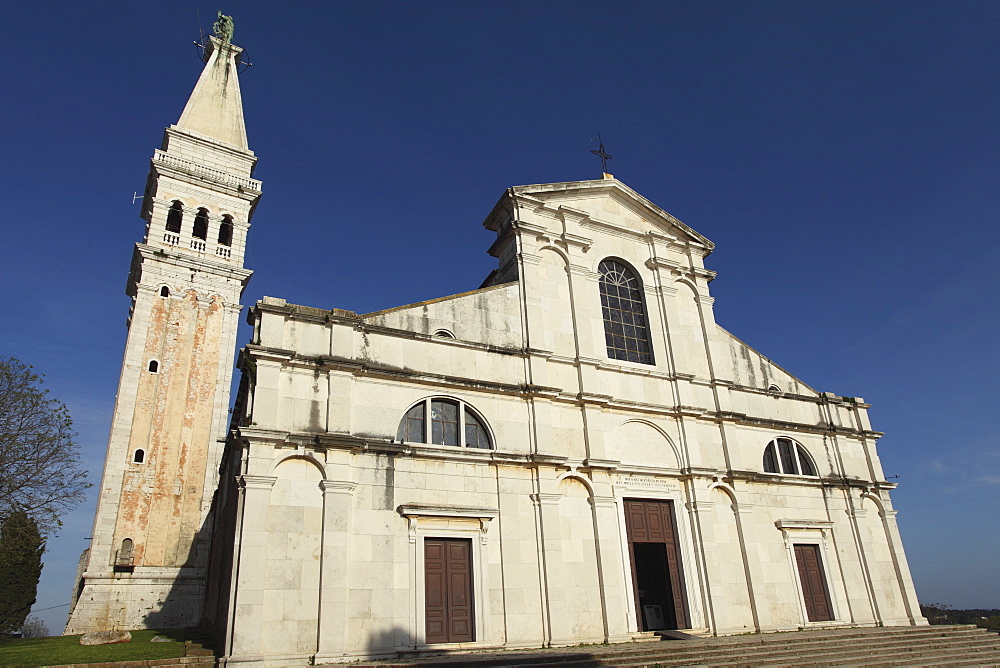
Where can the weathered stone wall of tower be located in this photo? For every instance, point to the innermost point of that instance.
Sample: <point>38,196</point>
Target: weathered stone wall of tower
<point>172,428</point>
<point>148,558</point>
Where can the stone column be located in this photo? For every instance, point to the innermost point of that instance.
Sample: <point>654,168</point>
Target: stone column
<point>246,606</point>
<point>701,535</point>
<point>334,566</point>
<point>903,577</point>
<point>743,513</point>
<point>551,562</point>
<point>610,570</point>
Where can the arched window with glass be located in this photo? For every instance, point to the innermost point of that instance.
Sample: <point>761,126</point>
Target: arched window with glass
<point>783,455</point>
<point>441,421</point>
<point>625,330</point>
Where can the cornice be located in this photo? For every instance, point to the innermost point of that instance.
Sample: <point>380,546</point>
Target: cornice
<point>600,464</point>
<point>262,434</point>
<point>785,525</point>
<point>421,510</point>
<point>213,144</point>
<point>193,262</point>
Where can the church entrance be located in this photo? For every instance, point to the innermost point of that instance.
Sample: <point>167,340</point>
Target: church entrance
<point>657,580</point>
<point>813,582</point>
<point>448,589</point>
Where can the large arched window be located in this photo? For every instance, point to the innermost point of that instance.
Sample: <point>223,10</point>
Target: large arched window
<point>624,316</point>
<point>174,216</point>
<point>451,422</point>
<point>783,455</point>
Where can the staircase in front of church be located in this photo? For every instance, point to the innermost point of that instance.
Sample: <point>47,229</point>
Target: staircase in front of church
<point>890,646</point>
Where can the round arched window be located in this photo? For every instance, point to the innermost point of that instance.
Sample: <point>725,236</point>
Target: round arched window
<point>624,316</point>
<point>443,422</point>
<point>783,455</point>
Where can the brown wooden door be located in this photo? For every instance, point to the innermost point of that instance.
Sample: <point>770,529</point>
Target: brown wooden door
<point>448,589</point>
<point>814,588</point>
<point>657,576</point>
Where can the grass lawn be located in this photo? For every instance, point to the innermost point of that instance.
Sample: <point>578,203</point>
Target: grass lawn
<point>59,650</point>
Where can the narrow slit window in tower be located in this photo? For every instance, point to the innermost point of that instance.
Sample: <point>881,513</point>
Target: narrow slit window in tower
<point>126,555</point>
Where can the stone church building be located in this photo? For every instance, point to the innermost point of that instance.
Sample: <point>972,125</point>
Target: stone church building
<point>573,452</point>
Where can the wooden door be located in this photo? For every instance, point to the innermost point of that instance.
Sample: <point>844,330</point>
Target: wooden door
<point>448,589</point>
<point>814,588</point>
<point>655,580</point>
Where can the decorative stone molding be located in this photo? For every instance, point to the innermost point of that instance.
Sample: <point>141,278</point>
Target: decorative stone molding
<point>546,499</point>
<point>415,512</point>
<point>602,501</point>
<point>823,526</point>
<point>609,464</point>
<point>256,481</point>
<point>543,459</point>
<point>337,486</point>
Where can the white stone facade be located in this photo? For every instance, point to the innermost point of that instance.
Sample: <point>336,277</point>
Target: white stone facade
<point>334,503</point>
<point>574,452</point>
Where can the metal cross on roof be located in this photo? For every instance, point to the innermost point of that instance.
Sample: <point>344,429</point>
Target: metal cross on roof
<point>602,153</point>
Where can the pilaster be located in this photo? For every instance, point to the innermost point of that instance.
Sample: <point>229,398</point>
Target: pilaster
<point>246,607</point>
<point>335,567</point>
<point>611,570</point>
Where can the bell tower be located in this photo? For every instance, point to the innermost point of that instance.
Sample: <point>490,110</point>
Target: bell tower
<point>146,566</point>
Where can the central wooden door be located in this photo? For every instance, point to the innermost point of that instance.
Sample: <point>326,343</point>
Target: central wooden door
<point>657,577</point>
<point>814,588</point>
<point>448,589</point>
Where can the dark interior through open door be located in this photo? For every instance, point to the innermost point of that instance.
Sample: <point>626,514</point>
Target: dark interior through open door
<point>657,576</point>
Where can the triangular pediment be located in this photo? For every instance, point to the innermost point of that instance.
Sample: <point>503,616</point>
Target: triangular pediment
<point>609,205</point>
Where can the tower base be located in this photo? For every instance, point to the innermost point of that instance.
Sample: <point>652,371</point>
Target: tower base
<point>125,601</point>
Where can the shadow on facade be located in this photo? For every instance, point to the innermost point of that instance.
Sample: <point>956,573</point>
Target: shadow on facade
<point>390,643</point>
<point>184,603</point>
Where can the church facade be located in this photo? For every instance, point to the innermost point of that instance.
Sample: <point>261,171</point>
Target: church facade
<point>573,452</point>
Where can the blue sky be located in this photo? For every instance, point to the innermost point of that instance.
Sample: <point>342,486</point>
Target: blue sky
<point>843,156</point>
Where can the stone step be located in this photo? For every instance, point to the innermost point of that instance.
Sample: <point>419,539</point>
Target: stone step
<point>833,654</point>
<point>877,647</point>
<point>946,656</point>
<point>863,646</point>
<point>734,654</point>
<point>798,647</point>
<point>987,662</point>
<point>842,659</point>
<point>148,663</point>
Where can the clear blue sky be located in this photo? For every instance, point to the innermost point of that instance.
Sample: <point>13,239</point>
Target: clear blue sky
<point>842,155</point>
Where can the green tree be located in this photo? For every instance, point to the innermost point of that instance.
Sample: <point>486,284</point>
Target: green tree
<point>40,470</point>
<point>21,547</point>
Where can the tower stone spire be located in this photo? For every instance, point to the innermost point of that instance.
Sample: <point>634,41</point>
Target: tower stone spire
<point>148,559</point>
<point>215,108</point>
